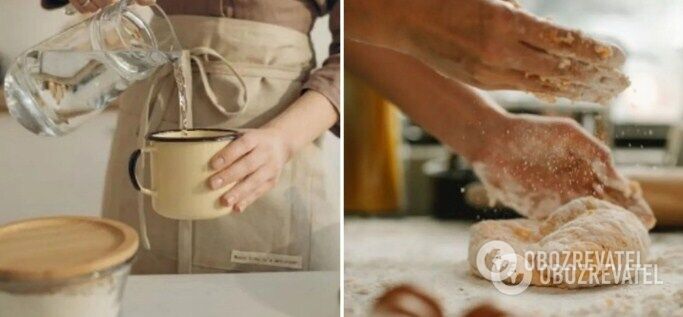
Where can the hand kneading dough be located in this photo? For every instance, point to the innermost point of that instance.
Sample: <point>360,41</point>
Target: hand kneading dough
<point>584,224</point>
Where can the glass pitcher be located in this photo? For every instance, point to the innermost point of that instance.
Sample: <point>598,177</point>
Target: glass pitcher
<point>55,86</point>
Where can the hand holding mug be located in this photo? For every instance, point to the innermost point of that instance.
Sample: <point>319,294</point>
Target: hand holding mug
<point>254,161</point>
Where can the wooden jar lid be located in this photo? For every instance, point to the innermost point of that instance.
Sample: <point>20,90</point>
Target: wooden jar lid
<point>63,247</point>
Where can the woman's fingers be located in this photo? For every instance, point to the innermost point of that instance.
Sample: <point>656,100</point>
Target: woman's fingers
<point>521,70</point>
<point>234,151</point>
<point>83,6</point>
<point>91,6</point>
<point>501,78</point>
<point>498,78</point>
<point>559,41</point>
<point>249,189</point>
<point>513,3</point>
<point>242,206</point>
<point>247,185</point>
<point>101,4</point>
<point>597,154</point>
<point>523,67</point>
<point>252,163</point>
<point>531,60</point>
<point>238,170</point>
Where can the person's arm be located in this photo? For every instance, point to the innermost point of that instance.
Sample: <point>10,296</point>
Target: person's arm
<point>256,159</point>
<point>455,114</point>
<point>326,80</point>
<point>531,163</point>
<point>491,44</point>
<point>305,120</point>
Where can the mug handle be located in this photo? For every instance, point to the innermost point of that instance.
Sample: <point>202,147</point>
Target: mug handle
<point>132,164</point>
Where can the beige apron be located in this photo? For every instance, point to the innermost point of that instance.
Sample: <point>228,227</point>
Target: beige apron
<point>274,233</point>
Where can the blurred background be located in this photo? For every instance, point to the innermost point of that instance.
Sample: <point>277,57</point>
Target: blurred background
<point>394,168</point>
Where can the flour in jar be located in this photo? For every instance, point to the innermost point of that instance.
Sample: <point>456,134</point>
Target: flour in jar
<point>89,297</point>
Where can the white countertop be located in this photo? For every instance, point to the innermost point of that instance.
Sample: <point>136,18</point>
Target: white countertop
<point>432,254</point>
<point>241,294</point>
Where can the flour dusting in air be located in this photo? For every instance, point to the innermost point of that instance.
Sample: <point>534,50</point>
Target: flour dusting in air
<point>512,194</point>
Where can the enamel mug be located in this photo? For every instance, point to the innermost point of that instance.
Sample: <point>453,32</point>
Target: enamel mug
<point>179,172</point>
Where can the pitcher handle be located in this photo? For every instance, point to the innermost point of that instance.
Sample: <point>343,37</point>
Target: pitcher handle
<point>132,164</point>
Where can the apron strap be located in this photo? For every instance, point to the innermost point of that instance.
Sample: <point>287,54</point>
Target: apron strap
<point>206,52</point>
<point>143,129</point>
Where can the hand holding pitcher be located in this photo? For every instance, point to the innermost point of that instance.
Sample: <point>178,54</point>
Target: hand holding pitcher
<point>90,6</point>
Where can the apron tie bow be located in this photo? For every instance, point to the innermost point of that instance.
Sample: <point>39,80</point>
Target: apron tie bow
<point>201,54</point>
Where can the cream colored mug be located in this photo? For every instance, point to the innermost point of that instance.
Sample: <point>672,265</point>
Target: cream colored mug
<point>179,170</point>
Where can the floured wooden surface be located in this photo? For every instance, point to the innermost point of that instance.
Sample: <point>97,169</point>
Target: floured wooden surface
<point>433,255</point>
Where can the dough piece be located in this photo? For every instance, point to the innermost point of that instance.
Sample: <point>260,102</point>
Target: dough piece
<point>586,225</point>
<point>635,203</point>
<point>574,209</point>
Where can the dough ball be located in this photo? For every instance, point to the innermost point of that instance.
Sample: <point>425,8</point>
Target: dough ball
<point>588,236</point>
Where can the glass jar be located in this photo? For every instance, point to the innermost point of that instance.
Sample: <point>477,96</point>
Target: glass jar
<point>96,294</point>
<point>65,266</point>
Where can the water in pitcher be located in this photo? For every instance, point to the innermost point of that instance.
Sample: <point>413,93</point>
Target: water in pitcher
<point>53,92</point>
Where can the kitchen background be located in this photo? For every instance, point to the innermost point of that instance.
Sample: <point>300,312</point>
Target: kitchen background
<point>41,176</point>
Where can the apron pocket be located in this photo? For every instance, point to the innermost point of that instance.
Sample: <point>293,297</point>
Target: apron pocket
<point>273,234</point>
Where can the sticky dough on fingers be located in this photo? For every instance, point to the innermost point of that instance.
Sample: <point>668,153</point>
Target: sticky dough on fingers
<point>560,41</point>
<point>588,69</point>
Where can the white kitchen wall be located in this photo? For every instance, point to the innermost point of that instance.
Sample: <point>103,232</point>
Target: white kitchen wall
<point>42,176</point>
<point>24,23</point>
